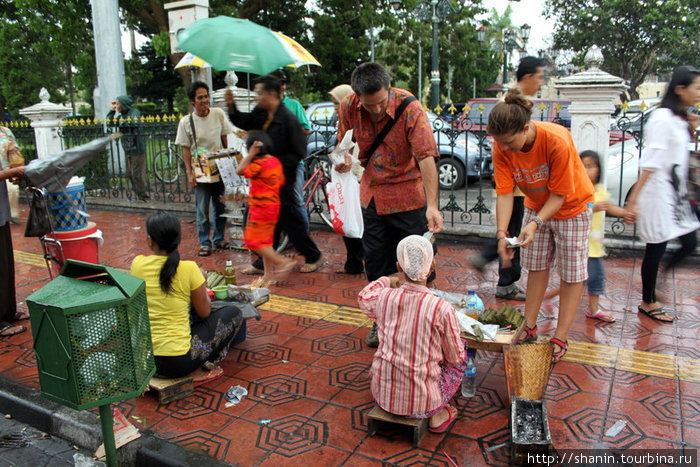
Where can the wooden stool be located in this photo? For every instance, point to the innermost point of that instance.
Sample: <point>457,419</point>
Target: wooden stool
<point>171,389</point>
<point>377,414</point>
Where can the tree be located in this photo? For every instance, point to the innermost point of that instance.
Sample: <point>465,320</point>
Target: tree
<point>637,37</point>
<point>152,78</point>
<point>44,44</point>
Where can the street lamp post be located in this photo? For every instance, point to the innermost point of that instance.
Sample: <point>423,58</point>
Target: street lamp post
<point>435,11</point>
<point>507,44</point>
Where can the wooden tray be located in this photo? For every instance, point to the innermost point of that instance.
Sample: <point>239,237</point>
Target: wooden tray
<point>496,345</point>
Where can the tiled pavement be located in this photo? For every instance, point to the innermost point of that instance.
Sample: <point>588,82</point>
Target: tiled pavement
<point>305,367</point>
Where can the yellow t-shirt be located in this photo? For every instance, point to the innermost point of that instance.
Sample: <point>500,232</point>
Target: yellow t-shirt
<point>169,313</point>
<point>596,249</point>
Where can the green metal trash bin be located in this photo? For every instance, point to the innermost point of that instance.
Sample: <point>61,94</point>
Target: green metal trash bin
<point>92,336</point>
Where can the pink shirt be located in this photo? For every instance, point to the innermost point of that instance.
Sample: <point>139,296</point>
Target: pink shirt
<point>417,333</point>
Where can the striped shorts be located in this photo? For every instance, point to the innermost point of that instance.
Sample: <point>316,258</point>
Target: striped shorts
<point>563,240</point>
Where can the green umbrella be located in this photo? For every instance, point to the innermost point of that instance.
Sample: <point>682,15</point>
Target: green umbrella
<point>238,45</point>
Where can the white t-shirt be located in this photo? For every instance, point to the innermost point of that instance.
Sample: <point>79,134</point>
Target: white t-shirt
<point>208,130</point>
<point>664,211</point>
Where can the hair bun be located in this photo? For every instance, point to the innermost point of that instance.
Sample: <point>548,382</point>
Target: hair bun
<point>514,96</point>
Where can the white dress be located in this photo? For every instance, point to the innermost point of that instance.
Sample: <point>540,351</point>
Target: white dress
<point>664,211</point>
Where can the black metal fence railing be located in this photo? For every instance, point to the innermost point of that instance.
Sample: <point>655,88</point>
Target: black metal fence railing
<point>464,167</point>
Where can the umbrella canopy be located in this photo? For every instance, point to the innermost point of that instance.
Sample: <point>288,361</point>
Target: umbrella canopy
<point>241,45</point>
<point>300,55</point>
<point>192,60</point>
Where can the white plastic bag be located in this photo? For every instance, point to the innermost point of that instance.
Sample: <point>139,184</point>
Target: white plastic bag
<point>344,194</point>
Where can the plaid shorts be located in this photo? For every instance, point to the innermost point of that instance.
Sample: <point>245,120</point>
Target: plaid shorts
<point>563,240</point>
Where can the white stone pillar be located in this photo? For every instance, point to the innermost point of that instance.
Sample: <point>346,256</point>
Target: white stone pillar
<point>108,55</point>
<point>45,117</point>
<point>592,94</point>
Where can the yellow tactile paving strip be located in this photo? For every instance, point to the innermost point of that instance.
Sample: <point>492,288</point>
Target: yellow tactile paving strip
<point>608,356</point>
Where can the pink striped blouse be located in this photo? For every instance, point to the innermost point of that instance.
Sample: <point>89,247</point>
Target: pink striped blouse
<point>417,332</point>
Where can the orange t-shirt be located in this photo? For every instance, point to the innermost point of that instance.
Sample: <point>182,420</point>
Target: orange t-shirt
<point>552,165</point>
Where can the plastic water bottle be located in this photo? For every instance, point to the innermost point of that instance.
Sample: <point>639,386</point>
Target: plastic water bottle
<point>469,379</point>
<point>474,305</point>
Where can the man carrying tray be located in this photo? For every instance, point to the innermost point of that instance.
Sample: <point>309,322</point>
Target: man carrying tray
<point>203,133</point>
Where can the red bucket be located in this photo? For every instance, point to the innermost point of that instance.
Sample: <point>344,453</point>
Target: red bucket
<point>76,244</point>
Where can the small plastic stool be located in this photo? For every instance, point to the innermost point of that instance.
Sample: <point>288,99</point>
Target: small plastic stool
<point>377,414</point>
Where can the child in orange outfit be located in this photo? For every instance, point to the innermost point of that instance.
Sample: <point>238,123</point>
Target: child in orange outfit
<point>266,179</point>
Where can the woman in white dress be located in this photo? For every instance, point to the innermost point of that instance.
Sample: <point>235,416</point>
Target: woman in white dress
<point>658,201</point>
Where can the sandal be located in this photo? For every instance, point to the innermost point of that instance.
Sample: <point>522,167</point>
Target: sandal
<point>530,335</point>
<point>9,329</point>
<point>453,414</point>
<point>311,267</point>
<point>282,274</point>
<point>205,251</point>
<point>658,314</point>
<point>211,375</point>
<point>21,316</point>
<point>222,245</point>
<point>251,270</point>
<point>563,347</point>
<point>601,315</point>
<point>510,292</point>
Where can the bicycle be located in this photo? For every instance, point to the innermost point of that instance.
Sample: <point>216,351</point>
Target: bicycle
<point>314,189</point>
<point>168,164</point>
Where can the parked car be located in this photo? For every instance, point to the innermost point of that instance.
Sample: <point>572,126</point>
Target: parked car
<point>462,155</point>
<point>628,125</point>
<point>548,110</point>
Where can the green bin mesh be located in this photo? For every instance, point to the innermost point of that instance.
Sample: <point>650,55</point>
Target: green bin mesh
<point>111,348</point>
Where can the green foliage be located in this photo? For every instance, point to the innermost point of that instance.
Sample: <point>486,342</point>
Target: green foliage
<point>152,78</point>
<point>637,37</point>
<point>43,44</point>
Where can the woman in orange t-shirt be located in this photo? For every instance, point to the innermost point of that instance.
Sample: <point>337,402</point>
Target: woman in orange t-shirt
<point>541,159</point>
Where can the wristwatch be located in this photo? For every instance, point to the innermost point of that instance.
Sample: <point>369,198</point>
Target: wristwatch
<point>537,220</point>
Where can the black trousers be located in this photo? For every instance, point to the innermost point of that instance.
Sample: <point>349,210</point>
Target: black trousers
<point>355,255</point>
<point>382,234</point>
<point>508,276</point>
<point>652,258</point>
<point>292,224</point>
<point>8,299</point>
<point>211,338</point>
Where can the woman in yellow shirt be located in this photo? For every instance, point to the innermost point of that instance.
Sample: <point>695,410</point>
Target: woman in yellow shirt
<point>173,287</point>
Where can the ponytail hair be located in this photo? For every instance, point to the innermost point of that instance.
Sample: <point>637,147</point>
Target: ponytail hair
<point>511,115</point>
<point>164,230</point>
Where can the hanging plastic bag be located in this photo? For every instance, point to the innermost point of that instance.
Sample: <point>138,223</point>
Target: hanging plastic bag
<point>344,194</point>
<point>39,222</point>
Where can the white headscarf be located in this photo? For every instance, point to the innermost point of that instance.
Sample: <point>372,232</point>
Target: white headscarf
<point>415,255</point>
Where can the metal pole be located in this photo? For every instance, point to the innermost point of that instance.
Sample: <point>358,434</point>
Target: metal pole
<point>371,41</point>
<point>435,72</point>
<point>108,435</point>
<point>420,72</point>
<point>505,63</point>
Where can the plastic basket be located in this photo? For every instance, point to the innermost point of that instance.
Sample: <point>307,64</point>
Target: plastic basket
<point>93,345</point>
<point>528,367</point>
<point>67,207</point>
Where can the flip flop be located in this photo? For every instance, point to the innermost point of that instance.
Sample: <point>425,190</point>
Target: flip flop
<point>658,314</point>
<point>251,270</point>
<point>447,423</point>
<point>311,267</point>
<point>9,329</point>
<point>601,315</point>
<point>283,273</point>
<point>21,316</point>
<point>213,374</point>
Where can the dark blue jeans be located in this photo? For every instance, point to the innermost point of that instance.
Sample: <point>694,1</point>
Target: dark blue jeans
<point>206,194</point>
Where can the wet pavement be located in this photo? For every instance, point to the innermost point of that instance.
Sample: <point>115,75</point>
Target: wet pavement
<point>305,366</point>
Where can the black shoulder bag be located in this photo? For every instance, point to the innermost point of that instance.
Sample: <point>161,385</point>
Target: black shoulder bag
<point>385,131</point>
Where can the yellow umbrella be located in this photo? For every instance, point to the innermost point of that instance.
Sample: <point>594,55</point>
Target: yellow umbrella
<point>192,60</point>
<point>299,54</point>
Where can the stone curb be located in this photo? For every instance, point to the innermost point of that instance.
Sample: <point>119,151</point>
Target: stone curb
<point>82,428</point>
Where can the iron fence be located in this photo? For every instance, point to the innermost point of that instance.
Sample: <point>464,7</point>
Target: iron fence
<point>466,192</point>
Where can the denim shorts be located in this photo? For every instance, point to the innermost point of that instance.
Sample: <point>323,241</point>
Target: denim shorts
<point>596,277</point>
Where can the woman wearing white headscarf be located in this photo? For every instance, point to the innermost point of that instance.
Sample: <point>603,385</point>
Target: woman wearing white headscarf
<point>419,363</point>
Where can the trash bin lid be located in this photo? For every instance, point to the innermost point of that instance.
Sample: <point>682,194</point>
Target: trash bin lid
<point>75,294</point>
<point>73,234</point>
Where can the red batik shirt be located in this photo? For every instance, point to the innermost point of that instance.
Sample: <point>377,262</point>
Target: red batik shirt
<point>392,177</point>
